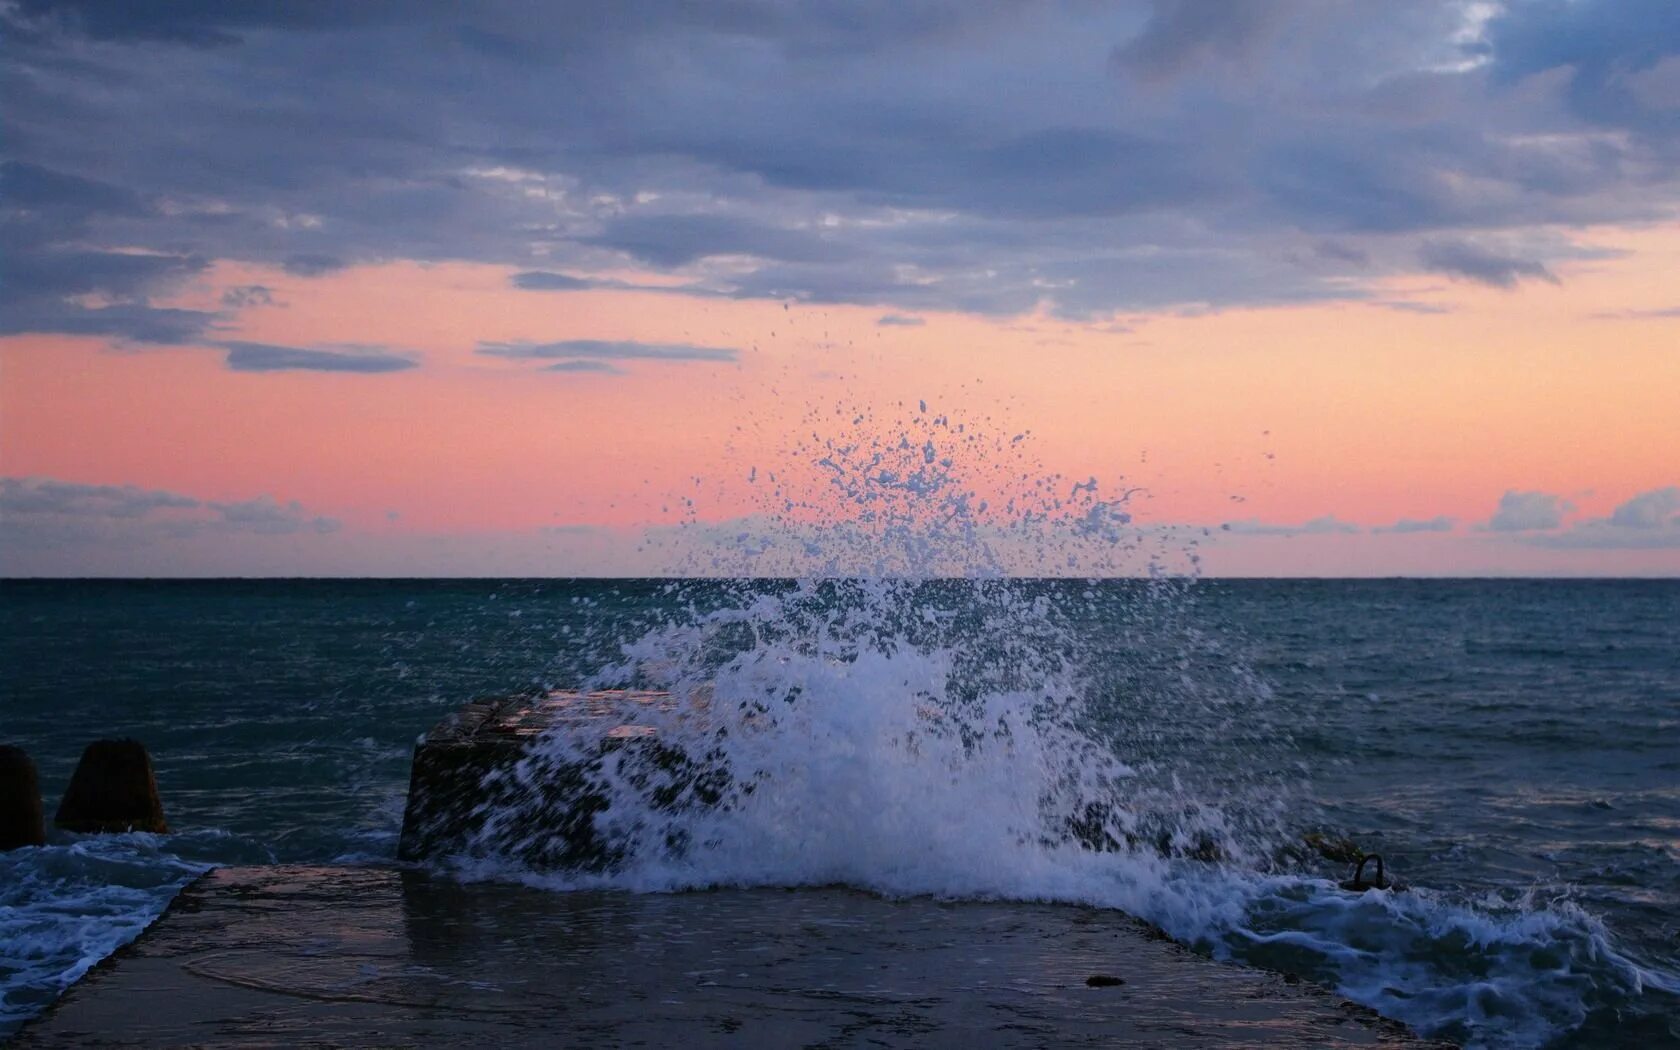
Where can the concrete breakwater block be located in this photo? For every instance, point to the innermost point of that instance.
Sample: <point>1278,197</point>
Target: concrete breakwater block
<point>292,956</point>
<point>481,783</point>
<point>112,790</point>
<point>21,819</point>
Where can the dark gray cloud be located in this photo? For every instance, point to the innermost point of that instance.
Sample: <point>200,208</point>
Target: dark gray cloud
<point>264,357</point>
<point>608,350</point>
<point>1327,524</point>
<point>1465,260</point>
<point>1410,306</point>
<point>987,155</point>
<point>26,496</point>
<point>1603,46</point>
<point>1528,511</point>
<point>1658,314</point>
<point>1439,523</point>
<point>899,321</point>
<point>311,264</point>
<point>597,367</point>
<point>546,281</point>
<point>676,240</point>
<point>242,296</point>
<point>1181,32</point>
<point>36,510</point>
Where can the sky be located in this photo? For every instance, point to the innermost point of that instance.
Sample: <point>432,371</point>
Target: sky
<point>1304,287</point>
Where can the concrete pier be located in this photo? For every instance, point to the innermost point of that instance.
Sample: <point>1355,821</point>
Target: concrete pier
<point>287,956</point>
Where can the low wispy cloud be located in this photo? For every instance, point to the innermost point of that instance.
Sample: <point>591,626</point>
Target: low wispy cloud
<point>596,367</point>
<point>46,509</point>
<point>1659,314</point>
<point>1327,524</point>
<point>1412,306</point>
<point>899,321</point>
<point>44,496</point>
<point>266,357</point>
<point>1528,512</point>
<point>607,350</point>
<point>311,264</point>
<point>1470,262</point>
<point>547,281</point>
<point>245,295</point>
<point>1439,523</point>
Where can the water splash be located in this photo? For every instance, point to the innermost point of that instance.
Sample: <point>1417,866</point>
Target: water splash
<point>904,714</point>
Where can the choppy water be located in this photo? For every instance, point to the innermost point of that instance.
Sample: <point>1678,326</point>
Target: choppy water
<point>1512,748</point>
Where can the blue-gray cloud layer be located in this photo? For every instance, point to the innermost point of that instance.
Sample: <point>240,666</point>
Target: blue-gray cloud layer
<point>1324,525</point>
<point>987,155</point>
<point>38,511</point>
<point>265,357</point>
<point>609,350</point>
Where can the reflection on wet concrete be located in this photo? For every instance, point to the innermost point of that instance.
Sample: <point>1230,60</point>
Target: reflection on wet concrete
<point>352,956</point>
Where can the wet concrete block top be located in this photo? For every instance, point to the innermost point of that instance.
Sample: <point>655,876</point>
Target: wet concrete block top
<point>289,956</point>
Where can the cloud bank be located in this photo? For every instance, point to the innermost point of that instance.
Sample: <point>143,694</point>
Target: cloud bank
<point>989,157</point>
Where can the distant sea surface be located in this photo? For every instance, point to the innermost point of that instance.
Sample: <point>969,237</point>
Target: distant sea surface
<point>1511,748</point>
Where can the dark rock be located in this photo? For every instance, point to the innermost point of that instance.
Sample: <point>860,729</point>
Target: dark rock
<point>21,821</point>
<point>112,790</point>
<point>1338,848</point>
<point>1103,980</point>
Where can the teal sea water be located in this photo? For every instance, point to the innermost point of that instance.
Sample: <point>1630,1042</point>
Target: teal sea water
<point>1512,748</point>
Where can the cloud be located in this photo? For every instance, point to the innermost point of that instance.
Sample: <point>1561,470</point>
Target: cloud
<point>1413,307</point>
<point>268,516</point>
<point>36,188</point>
<point>242,296</point>
<point>1324,525</point>
<point>263,357</point>
<point>1182,32</point>
<point>676,240</point>
<point>599,367</point>
<point>1605,47</point>
<point>545,281</point>
<point>1659,314</point>
<point>1465,260</point>
<point>1656,509</point>
<point>74,291</point>
<point>984,156</point>
<point>46,511</point>
<point>31,496</point>
<point>1647,521</point>
<point>1526,511</point>
<point>899,321</point>
<point>311,264</point>
<point>1439,523</point>
<point>608,350</point>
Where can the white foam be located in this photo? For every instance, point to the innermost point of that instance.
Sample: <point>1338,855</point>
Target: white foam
<point>912,738</point>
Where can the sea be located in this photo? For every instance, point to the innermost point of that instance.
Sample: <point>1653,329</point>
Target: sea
<point>1182,750</point>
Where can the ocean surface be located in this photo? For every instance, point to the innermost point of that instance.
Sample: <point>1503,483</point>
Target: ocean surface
<point>1512,749</point>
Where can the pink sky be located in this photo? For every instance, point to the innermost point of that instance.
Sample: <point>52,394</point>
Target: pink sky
<point>1277,416</point>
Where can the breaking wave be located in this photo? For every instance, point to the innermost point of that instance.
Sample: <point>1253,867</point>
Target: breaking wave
<point>907,715</point>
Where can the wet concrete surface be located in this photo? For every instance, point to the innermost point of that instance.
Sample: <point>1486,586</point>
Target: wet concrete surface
<point>308,956</point>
